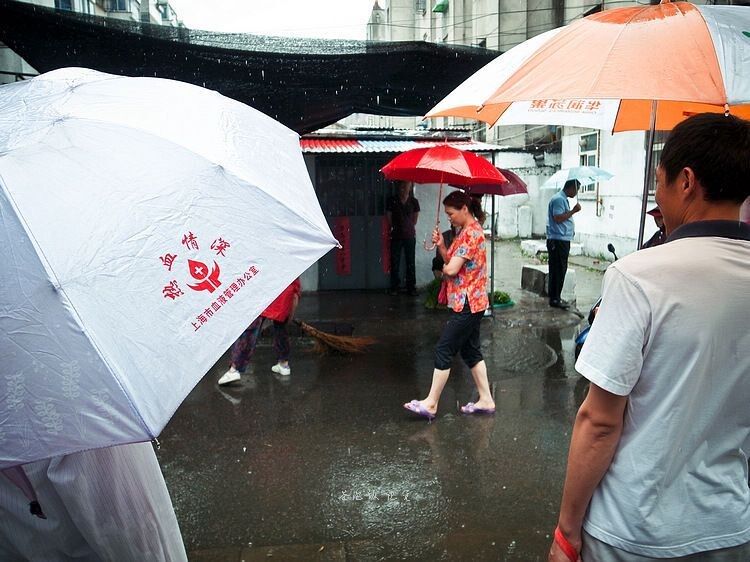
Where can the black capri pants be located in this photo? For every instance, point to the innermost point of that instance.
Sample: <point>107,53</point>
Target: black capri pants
<point>461,333</point>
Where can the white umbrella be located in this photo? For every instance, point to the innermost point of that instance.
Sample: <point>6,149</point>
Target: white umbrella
<point>144,224</point>
<point>584,175</point>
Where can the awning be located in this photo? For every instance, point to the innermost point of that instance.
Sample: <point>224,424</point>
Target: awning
<point>351,146</point>
<point>304,83</point>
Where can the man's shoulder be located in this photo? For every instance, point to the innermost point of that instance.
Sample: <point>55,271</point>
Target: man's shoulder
<point>558,199</point>
<point>654,262</point>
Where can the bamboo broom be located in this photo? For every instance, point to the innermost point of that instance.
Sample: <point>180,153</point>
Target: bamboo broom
<point>327,343</point>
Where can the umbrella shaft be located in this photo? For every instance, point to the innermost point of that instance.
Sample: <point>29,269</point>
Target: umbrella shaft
<point>647,174</point>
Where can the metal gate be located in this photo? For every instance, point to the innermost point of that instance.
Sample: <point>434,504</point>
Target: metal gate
<point>353,194</point>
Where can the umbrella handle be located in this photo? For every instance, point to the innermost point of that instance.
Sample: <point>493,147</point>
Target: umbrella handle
<point>429,247</point>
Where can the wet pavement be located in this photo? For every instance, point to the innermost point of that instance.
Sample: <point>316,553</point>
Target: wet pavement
<point>326,464</point>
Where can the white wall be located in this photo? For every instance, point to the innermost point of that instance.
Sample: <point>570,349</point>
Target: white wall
<point>506,208</point>
<point>617,221</point>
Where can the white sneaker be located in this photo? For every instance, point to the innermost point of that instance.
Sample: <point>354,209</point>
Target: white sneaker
<point>232,375</point>
<point>281,369</point>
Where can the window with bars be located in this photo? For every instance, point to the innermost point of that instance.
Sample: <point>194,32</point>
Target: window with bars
<point>589,156</point>
<point>118,5</point>
<point>420,6</point>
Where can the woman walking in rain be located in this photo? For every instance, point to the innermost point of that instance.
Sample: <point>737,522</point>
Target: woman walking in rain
<point>466,268</point>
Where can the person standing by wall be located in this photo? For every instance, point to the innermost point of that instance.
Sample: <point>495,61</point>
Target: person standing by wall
<point>657,468</point>
<point>660,236</point>
<point>466,270</point>
<point>402,211</point>
<point>560,231</point>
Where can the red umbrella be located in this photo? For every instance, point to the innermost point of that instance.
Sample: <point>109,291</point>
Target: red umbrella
<point>442,164</point>
<point>513,186</point>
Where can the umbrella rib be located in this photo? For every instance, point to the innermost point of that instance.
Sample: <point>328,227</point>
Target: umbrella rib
<point>619,34</point>
<point>229,170</point>
<point>54,280</point>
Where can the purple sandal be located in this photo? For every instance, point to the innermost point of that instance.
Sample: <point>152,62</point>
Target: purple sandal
<point>415,407</point>
<point>472,408</point>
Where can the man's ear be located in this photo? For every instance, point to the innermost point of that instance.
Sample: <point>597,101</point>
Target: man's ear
<point>690,187</point>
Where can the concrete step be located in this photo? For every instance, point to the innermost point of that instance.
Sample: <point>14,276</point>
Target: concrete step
<point>535,247</point>
<point>534,278</point>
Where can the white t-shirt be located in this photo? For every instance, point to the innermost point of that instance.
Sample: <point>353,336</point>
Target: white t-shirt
<point>673,334</point>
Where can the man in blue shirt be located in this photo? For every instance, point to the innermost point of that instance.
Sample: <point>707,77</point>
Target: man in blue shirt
<point>560,231</point>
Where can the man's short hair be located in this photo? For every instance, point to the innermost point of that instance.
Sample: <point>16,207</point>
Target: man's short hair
<point>717,148</point>
<point>571,184</point>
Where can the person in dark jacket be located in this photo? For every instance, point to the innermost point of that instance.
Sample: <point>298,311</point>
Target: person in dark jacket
<point>660,236</point>
<point>402,211</point>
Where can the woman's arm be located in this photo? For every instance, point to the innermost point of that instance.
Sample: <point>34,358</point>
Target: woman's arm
<point>454,266</point>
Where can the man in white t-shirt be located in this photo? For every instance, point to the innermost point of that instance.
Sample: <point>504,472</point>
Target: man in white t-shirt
<point>658,462</point>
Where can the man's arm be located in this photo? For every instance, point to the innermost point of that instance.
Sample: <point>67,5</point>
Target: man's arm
<point>562,217</point>
<point>596,433</point>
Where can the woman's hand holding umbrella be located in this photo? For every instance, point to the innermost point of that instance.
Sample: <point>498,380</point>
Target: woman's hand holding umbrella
<point>437,238</point>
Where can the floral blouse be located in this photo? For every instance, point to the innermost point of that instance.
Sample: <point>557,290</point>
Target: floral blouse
<point>470,283</point>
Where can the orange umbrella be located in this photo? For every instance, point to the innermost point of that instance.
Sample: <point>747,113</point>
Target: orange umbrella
<point>633,68</point>
<point>607,70</point>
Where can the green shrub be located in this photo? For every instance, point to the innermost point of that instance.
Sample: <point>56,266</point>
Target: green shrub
<point>431,294</point>
<point>500,297</point>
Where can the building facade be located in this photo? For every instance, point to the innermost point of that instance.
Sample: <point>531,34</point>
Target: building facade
<point>160,12</point>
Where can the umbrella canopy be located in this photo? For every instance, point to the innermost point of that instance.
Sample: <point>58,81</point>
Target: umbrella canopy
<point>602,72</point>
<point>442,164</point>
<point>584,175</point>
<point>514,186</point>
<point>145,224</point>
